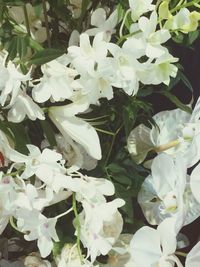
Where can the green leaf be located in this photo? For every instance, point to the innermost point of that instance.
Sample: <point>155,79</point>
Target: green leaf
<point>11,3</point>
<point>35,45</point>
<point>21,138</point>
<point>178,38</point>
<point>48,131</point>
<point>46,55</point>
<point>176,101</point>
<point>185,80</point>
<point>192,37</point>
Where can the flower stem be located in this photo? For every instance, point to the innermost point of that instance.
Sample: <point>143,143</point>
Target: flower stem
<point>182,254</point>
<point>27,20</point>
<point>167,146</point>
<point>64,213</point>
<point>78,227</point>
<point>46,23</point>
<point>184,5</point>
<point>104,131</point>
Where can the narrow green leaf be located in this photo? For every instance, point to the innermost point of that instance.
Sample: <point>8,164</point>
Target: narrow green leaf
<point>185,80</point>
<point>176,101</point>
<point>46,55</point>
<point>49,133</point>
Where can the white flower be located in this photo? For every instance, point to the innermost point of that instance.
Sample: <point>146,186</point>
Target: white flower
<point>75,155</point>
<point>31,198</point>
<point>152,39</point>
<point>192,259</point>
<point>7,198</point>
<point>93,189</point>
<point>160,71</point>
<point>96,220</point>
<point>139,7</point>
<point>55,83</point>
<point>184,21</point>
<point>85,57</point>
<point>150,247</point>
<point>176,132</point>
<point>98,19</point>
<point>40,228</point>
<point>35,161</point>
<point>23,106</point>
<point>195,182</point>
<point>70,257</point>
<point>79,130</point>
<point>126,66</point>
<point>165,192</point>
<point>12,79</point>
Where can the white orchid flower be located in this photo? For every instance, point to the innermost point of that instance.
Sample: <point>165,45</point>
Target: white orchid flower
<point>35,161</point>
<point>165,192</point>
<point>139,7</point>
<point>160,71</point>
<point>86,56</point>
<point>97,220</point>
<point>193,257</point>
<point>195,182</point>
<point>11,82</point>
<point>176,132</point>
<point>98,19</point>
<point>150,247</point>
<point>79,130</point>
<point>39,227</point>
<point>126,66</point>
<point>184,21</point>
<point>55,83</point>
<point>70,257</point>
<point>23,106</point>
<point>151,37</point>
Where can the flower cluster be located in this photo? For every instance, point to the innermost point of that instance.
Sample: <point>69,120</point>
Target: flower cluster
<point>57,176</point>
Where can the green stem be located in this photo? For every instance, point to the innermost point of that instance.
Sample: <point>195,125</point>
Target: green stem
<point>13,174</point>
<point>124,37</point>
<point>97,118</point>
<point>112,144</point>
<point>104,131</point>
<point>182,254</point>
<point>27,20</point>
<point>46,23</point>
<point>78,227</point>
<point>184,5</point>
<point>64,213</point>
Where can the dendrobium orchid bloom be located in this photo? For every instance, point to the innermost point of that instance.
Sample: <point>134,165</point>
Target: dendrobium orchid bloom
<point>40,228</point>
<point>79,130</point>
<point>98,20</point>
<point>139,7</point>
<point>56,82</point>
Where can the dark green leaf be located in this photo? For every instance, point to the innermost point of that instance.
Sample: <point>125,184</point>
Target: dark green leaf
<point>48,131</point>
<point>46,55</point>
<point>176,101</point>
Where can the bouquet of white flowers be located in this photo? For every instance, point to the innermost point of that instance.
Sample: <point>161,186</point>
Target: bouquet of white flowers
<point>84,147</point>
